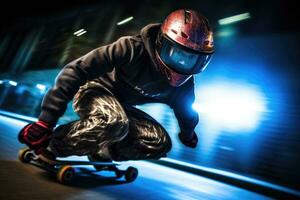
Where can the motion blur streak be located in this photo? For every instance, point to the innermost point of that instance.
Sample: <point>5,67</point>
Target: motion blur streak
<point>13,83</point>
<point>233,19</point>
<point>125,21</point>
<point>41,87</point>
<point>79,31</point>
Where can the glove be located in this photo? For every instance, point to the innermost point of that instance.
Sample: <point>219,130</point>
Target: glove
<point>192,143</point>
<point>36,135</point>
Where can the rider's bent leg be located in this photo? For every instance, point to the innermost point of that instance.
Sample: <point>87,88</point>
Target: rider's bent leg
<point>146,138</point>
<point>102,123</point>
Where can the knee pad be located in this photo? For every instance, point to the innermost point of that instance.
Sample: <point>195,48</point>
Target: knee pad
<point>155,140</point>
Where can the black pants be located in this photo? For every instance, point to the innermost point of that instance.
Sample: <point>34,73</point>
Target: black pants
<point>127,132</point>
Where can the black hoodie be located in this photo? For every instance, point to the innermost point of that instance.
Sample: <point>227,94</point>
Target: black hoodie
<point>128,69</point>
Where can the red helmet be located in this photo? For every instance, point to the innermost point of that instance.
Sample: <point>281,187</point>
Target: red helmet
<point>184,45</point>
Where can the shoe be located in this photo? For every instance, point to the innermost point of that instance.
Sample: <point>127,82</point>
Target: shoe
<point>47,155</point>
<point>97,158</point>
<point>102,156</point>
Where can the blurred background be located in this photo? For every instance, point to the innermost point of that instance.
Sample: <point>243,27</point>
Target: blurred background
<point>248,97</point>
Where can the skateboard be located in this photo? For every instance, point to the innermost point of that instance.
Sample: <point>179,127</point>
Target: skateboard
<point>66,170</point>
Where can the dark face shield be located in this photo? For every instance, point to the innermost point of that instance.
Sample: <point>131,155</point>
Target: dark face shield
<point>181,59</point>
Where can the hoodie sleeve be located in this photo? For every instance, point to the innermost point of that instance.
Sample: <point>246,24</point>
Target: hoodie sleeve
<point>182,105</point>
<point>75,74</point>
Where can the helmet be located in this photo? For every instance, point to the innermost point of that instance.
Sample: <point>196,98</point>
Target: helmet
<point>184,45</point>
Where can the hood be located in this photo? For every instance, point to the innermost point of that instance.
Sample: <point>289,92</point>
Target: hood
<point>149,34</point>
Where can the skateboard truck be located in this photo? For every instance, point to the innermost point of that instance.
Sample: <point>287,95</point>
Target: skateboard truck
<point>65,170</point>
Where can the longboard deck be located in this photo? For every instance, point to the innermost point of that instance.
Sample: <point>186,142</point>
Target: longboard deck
<point>65,170</point>
<point>74,162</point>
<point>54,165</point>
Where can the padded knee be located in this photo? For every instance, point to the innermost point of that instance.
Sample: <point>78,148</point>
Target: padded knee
<point>154,140</point>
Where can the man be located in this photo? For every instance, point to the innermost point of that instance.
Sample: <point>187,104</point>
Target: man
<point>155,66</point>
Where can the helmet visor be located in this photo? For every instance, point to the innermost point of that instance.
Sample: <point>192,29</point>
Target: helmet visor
<point>181,59</point>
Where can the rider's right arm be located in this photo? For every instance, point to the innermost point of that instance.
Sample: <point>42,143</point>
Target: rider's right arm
<point>75,74</point>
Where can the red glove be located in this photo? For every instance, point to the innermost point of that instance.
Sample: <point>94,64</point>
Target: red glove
<point>36,135</point>
<point>192,143</point>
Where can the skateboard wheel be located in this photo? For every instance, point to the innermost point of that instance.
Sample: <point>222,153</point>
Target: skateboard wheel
<point>130,174</point>
<point>25,155</point>
<point>65,174</point>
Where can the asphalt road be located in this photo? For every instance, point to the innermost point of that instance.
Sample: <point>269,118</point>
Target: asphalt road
<point>24,181</point>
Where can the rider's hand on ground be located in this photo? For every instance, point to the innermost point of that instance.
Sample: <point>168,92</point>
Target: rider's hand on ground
<point>36,135</point>
<point>192,143</point>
